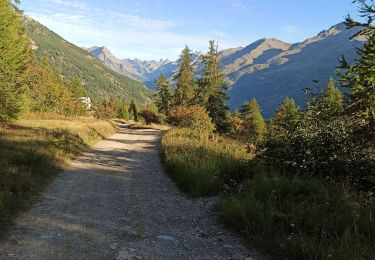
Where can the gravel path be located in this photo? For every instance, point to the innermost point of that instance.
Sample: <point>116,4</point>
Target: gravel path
<point>116,202</point>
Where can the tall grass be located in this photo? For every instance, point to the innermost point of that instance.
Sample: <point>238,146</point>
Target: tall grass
<point>200,163</point>
<point>288,216</point>
<point>32,151</point>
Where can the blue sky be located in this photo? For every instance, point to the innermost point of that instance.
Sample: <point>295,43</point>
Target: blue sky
<point>154,29</point>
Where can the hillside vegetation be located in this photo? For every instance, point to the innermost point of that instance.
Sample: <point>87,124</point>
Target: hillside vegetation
<point>100,82</point>
<point>300,185</point>
<point>34,149</point>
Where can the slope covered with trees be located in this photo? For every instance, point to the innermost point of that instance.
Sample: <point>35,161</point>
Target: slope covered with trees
<point>100,82</point>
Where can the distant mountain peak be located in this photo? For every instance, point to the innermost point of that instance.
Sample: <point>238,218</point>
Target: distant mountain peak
<point>99,51</point>
<point>333,30</point>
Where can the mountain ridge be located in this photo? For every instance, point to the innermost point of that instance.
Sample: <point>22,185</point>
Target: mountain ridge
<point>256,69</point>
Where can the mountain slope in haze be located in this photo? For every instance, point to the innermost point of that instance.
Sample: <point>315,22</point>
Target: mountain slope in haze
<point>289,72</point>
<point>101,82</point>
<point>121,66</point>
<point>145,71</point>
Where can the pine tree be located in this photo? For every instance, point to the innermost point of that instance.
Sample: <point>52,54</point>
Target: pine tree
<point>359,77</point>
<point>133,110</point>
<point>163,95</point>
<point>212,90</point>
<point>185,86</point>
<point>331,102</point>
<point>76,88</point>
<point>14,59</point>
<point>286,119</point>
<point>254,123</point>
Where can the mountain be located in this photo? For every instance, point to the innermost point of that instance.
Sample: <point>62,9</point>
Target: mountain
<point>268,69</point>
<point>145,71</point>
<point>101,82</point>
<point>121,66</point>
<point>287,73</point>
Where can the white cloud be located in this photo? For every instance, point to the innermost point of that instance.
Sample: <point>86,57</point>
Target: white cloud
<point>127,35</point>
<point>138,22</point>
<point>75,4</point>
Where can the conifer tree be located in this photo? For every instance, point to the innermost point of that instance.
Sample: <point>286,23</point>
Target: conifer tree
<point>331,102</point>
<point>76,88</point>
<point>211,92</point>
<point>359,77</point>
<point>185,82</point>
<point>163,95</point>
<point>254,123</point>
<point>14,59</point>
<point>286,119</point>
<point>133,110</point>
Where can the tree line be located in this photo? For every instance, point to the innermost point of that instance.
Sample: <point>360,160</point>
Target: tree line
<point>332,137</point>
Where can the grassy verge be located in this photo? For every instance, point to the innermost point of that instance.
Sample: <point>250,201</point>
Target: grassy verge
<point>289,217</point>
<point>203,164</point>
<point>33,150</point>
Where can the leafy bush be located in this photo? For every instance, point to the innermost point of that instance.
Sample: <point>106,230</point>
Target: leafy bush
<point>149,116</point>
<point>105,111</point>
<point>194,117</point>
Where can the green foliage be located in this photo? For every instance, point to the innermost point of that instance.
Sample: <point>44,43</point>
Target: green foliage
<point>194,117</point>
<point>133,110</point>
<point>286,119</point>
<point>329,104</point>
<point>122,109</point>
<point>49,92</point>
<point>76,88</point>
<point>326,143</point>
<point>163,95</point>
<point>359,77</point>
<point>185,86</point>
<point>14,59</point>
<point>254,124</point>
<point>212,89</point>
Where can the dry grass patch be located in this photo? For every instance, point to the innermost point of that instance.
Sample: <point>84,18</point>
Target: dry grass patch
<point>33,150</point>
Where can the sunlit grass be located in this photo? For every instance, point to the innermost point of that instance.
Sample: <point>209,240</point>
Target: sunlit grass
<point>202,164</point>
<point>288,216</point>
<point>33,150</point>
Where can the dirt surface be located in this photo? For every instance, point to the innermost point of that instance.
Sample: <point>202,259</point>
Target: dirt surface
<point>116,202</point>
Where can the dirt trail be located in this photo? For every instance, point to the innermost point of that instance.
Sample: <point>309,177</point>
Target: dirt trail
<point>116,202</point>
